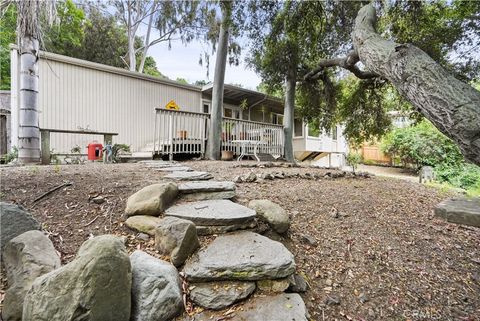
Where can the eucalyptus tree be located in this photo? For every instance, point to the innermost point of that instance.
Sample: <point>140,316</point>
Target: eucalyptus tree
<point>285,38</point>
<point>169,20</point>
<point>221,32</point>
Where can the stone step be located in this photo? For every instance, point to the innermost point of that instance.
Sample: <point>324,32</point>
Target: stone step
<point>464,211</point>
<point>189,176</point>
<point>203,186</point>
<point>243,256</point>
<point>281,307</point>
<point>207,190</point>
<point>213,212</point>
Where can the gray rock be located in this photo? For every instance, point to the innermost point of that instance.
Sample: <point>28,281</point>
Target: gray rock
<point>250,178</point>
<point>151,200</point>
<point>243,256</point>
<point>189,176</point>
<point>206,186</point>
<point>219,295</point>
<point>98,200</point>
<point>143,236</point>
<point>238,179</point>
<point>174,169</point>
<point>297,284</point>
<point>156,292</point>
<point>25,258</point>
<point>204,196</point>
<point>143,223</point>
<point>222,229</point>
<point>332,300</point>
<point>281,307</point>
<point>305,238</point>
<point>271,213</point>
<point>96,286</point>
<point>464,211</point>
<point>278,285</point>
<point>177,238</point>
<point>19,221</point>
<point>213,212</point>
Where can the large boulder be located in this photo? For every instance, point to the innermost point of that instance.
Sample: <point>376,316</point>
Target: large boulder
<point>464,211</point>
<point>143,223</point>
<point>272,214</point>
<point>151,200</point>
<point>219,295</point>
<point>243,256</point>
<point>14,221</point>
<point>177,238</point>
<point>25,258</point>
<point>96,286</point>
<point>156,291</point>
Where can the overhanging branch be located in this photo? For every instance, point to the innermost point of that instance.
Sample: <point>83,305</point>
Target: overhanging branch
<point>349,62</point>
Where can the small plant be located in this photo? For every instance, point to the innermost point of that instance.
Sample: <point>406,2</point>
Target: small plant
<point>35,170</point>
<point>353,159</point>
<point>76,159</point>
<point>54,158</point>
<point>57,168</point>
<point>12,155</point>
<point>118,149</point>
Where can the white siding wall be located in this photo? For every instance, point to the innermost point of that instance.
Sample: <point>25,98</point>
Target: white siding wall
<point>75,93</point>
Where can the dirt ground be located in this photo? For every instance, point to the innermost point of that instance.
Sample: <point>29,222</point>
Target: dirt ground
<point>370,248</point>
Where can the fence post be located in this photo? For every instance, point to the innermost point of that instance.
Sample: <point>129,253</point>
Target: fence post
<point>45,146</point>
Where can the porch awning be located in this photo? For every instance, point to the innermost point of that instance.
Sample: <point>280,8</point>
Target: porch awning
<point>236,95</point>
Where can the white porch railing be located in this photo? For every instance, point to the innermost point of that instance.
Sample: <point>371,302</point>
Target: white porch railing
<point>182,132</point>
<point>268,138</point>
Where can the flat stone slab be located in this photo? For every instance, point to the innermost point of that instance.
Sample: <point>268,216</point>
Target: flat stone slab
<point>212,212</point>
<point>219,295</point>
<point>281,307</point>
<point>243,256</point>
<point>174,169</point>
<point>464,211</point>
<point>205,186</point>
<point>189,176</point>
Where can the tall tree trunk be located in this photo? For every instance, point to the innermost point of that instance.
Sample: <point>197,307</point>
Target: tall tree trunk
<point>215,132</point>
<point>451,105</point>
<point>28,132</point>
<point>147,40</point>
<point>288,114</point>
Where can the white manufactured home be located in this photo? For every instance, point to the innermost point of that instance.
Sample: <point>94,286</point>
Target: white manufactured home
<point>158,116</point>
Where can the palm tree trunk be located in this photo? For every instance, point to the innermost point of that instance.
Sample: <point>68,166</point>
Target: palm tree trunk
<point>28,132</point>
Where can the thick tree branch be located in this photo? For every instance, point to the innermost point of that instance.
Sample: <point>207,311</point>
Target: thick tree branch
<point>349,62</point>
<point>451,105</point>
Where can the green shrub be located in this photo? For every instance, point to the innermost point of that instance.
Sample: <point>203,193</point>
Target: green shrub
<point>421,145</point>
<point>11,155</point>
<point>353,159</point>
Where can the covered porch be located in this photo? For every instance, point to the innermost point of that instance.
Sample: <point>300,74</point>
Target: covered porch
<point>251,125</point>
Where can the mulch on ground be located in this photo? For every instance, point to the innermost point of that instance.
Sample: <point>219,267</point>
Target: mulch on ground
<point>370,248</point>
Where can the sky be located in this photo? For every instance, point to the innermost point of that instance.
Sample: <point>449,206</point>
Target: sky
<point>182,62</point>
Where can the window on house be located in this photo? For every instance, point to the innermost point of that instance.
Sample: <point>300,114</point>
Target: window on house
<point>334,133</point>
<point>227,112</point>
<point>206,108</point>
<point>277,119</point>
<point>298,127</point>
<point>237,114</point>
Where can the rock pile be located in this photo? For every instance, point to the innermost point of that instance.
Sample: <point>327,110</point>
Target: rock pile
<point>103,283</point>
<point>252,177</point>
